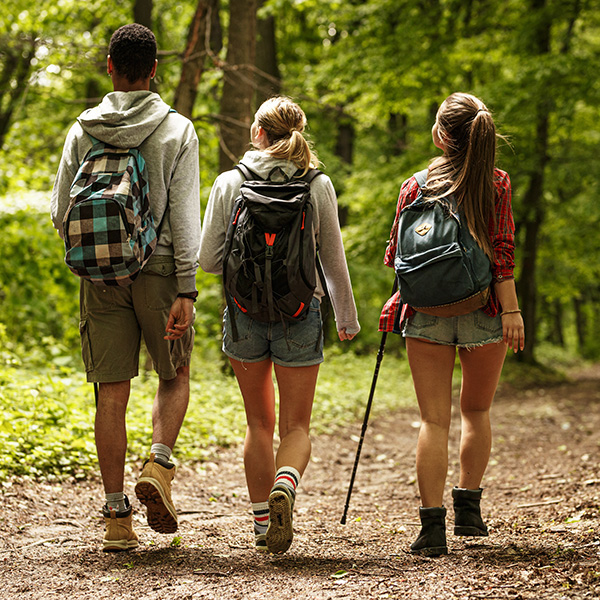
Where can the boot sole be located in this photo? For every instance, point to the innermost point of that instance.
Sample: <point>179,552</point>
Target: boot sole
<point>119,545</point>
<point>433,551</point>
<point>162,516</point>
<point>469,530</point>
<point>280,532</point>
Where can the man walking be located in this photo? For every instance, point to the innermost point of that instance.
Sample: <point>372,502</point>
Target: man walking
<point>159,304</point>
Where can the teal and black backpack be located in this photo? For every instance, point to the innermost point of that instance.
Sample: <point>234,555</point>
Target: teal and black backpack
<point>441,270</point>
<point>109,231</point>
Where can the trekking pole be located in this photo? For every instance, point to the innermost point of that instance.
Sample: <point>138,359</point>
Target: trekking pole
<point>367,412</point>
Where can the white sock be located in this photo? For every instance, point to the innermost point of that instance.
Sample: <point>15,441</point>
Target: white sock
<point>261,517</point>
<point>161,451</point>
<point>116,501</point>
<point>289,477</point>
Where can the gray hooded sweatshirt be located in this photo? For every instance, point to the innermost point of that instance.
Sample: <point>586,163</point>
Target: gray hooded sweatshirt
<point>327,231</point>
<point>169,145</point>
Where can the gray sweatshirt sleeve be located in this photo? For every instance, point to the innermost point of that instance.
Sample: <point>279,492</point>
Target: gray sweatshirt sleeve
<point>67,169</point>
<point>184,215</point>
<point>333,258</point>
<point>216,220</point>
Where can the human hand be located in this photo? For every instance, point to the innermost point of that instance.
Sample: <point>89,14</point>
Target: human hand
<point>181,316</point>
<point>513,331</point>
<point>345,336</point>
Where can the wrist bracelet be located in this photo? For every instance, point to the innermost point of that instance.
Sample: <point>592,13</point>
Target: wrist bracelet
<point>190,295</point>
<point>510,312</point>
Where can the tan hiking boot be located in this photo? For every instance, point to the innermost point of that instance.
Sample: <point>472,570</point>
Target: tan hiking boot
<point>119,534</point>
<point>153,490</point>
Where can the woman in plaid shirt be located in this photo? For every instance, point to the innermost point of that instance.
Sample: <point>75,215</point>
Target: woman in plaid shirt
<point>464,130</point>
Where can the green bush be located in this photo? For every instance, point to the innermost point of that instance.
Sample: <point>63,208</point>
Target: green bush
<point>38,294</point>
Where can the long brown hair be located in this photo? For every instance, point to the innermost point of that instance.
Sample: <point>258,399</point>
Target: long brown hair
<point>284,122</point>
<point>466,169</point>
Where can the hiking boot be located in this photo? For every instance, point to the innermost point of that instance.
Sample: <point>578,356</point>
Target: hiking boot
<point>280,531</point>
<point>153,490</point>
<point>432,538</point>
<point>260,542</point>
<point>119,534</point>
<point>467,513</point>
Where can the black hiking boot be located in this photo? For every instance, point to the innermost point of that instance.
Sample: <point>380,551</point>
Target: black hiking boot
<point>432,539</point>
<point>467,513</point>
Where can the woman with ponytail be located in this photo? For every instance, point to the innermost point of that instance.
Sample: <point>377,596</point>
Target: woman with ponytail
<point>293,350</point>
<point>465,132</point>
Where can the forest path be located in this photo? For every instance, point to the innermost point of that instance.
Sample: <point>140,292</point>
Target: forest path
<point>541,502</point>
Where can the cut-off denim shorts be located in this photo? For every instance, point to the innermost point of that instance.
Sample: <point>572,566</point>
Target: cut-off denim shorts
<point>289,344</point>
<point>467,331</point>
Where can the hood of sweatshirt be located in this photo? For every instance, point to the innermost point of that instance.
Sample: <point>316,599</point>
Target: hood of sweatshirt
<point>264,165</point>
<point>125,119</point>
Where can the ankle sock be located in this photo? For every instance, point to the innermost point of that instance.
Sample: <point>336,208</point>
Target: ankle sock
<point>289,477</point>
<point>161,451</point>
<point>116,501</point>
<point>261,517</point>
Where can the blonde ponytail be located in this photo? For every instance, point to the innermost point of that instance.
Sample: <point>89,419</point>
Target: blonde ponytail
<point>284,121</point>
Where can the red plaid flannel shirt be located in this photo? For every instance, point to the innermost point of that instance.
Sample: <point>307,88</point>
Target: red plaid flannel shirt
<point>503,242</point>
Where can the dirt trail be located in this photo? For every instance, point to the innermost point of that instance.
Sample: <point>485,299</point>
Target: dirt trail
<point>541,502</point>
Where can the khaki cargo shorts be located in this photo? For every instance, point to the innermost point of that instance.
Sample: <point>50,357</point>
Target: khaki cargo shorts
<point>113,320</point>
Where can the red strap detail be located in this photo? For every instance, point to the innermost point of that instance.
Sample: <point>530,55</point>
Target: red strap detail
<point>240,306</point>
<point>302,305</point>
<point>303,216</point>
<point>237,214</point>
<point>270,237</point>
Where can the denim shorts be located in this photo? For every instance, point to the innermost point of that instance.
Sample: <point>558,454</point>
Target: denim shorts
<point>467,331</point>
<point>289,344</point>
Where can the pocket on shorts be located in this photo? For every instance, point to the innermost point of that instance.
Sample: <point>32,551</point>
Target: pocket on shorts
<point>423,321</point>
<point>305,333</point>
<point>242,322</point>
<point>160,283</point>
<point>97,299</point>
<point>486,323</point>
<point>86,347</point>
<point>160,265</point>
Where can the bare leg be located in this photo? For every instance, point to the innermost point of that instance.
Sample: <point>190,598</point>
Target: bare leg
<point>256,384</point>
<point>296,394</point>
<point>170,406</point>
<point>111,434</point>
<point>431,366</point>
<point>481,368</point>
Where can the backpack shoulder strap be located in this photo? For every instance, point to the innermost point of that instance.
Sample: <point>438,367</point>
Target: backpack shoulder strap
<point>421,177</point>
<point>308,176</point>
<point>247,173</point>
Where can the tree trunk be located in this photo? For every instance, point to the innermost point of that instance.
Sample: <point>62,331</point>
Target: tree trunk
<point>13,79</point>
<point>238,87</point>
<point>344,148</point>
<point>268,77</point>
<point>558,337</point>
<point>194,58</point>
<point>534,196</point>
<point>580,323</point>
<point>398,130</point>
<point>142,12</point>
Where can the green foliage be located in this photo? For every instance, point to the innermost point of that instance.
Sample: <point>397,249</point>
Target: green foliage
<point>38,294</point>
<point>47,413</point>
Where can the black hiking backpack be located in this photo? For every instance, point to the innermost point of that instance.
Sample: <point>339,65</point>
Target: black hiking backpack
<point>270,254</point>
<point>441,269</point>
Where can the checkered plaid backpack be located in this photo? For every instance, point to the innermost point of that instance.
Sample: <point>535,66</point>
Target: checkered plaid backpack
<point>109,231</point>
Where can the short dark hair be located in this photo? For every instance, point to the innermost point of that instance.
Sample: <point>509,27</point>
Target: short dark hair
<point>132,49</point>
